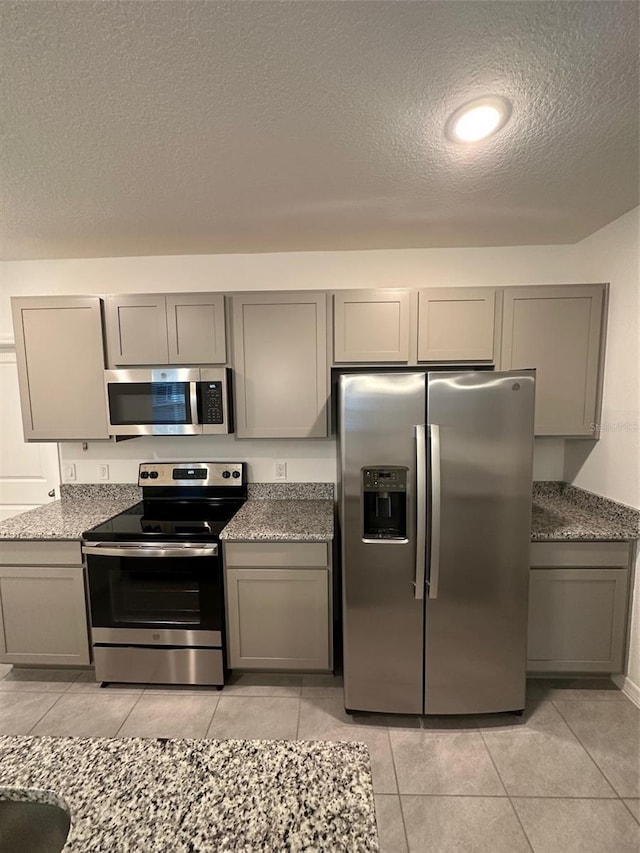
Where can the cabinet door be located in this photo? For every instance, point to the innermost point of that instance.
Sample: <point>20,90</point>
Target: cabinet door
<point>577,620</point>
<point>278,618</point>
<point>557,330</point>
<point>371,325</point>
<point>60,357</point>
<point>280,361</point>
<point>195,325</point>
<point>456,324</point>
<point>137,329</point>
<point>43,616</point>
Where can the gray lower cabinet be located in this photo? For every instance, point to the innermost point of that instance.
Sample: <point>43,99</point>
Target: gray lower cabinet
<point>578,597</point>
<point>456,324</point>
<point>280,365</point>
<point>172,328</point>
<point>278,618</point>
<point>559,331</point>
<point>60,358</point>
<point>43,611</point>
<point>371,325</point>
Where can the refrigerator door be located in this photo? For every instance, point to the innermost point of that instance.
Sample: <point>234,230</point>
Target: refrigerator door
<point>480,461</point>
<point>382,614</point>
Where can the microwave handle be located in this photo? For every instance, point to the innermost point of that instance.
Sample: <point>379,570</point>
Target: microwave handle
<point>193,399</point>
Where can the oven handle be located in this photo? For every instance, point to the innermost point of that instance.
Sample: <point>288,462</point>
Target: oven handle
<point>155,549</point>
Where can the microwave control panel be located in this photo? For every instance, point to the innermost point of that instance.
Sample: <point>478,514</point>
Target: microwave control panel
<point>211,402</point>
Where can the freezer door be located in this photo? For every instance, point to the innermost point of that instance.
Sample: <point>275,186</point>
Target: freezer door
<point>480,471</point>
<point>382,615</point>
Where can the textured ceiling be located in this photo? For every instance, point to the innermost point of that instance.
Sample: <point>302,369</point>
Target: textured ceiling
<point>135,128</point>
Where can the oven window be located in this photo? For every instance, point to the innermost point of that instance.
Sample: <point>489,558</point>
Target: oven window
<point>142,403</point>
<point>143,592</point>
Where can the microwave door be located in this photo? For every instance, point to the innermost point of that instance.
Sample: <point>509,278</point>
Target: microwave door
<point>152,402</point>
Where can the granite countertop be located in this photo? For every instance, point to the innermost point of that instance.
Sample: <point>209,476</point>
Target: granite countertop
<point>80,507</point>
<point>192,796</point>
<point>282,520</point>
<point>561,512</point>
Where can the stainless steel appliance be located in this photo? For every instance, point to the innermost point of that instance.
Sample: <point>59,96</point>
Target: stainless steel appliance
<point>155,576</point>
<point>435,507</point>
<point>168,401</point>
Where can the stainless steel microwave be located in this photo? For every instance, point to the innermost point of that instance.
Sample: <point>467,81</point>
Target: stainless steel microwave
<point>167,401</point>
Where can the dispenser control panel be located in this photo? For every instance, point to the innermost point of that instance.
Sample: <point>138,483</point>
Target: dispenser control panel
<point>384,479</point>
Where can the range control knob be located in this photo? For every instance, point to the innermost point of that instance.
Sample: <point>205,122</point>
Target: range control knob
<point>153,475</point>
<point>236,474</point>
<point>144,475</point>
<point>226,474</point>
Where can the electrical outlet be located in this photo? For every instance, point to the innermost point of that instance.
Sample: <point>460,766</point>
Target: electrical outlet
<point>69,472</point>
<point>103,472</point>
<point>280,470</point>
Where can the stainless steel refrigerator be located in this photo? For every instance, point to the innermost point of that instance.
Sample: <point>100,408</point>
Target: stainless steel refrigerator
<point>435,508</point>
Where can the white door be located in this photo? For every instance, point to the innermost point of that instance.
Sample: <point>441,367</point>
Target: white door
<point>27,471</point>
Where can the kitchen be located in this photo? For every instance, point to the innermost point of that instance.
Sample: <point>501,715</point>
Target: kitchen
<point>607,252</point>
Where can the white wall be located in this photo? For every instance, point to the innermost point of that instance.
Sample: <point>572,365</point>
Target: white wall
<point>611,466</point>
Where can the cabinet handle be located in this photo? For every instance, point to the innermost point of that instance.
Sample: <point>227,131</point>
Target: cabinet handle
<point>52,493</point>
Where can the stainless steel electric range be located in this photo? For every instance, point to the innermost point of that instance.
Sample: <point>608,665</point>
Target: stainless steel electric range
<point>155,576</point>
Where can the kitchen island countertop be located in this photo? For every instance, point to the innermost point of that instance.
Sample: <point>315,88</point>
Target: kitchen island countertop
<point>197,796</point>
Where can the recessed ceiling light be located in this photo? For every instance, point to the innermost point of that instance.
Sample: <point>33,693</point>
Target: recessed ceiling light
<point>478,119</point>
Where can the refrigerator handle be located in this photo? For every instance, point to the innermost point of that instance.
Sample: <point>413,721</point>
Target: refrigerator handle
<point>421,509</point>
<point>434,556</point>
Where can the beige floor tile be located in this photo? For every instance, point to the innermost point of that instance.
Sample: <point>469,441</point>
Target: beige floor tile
<point>263,684</point>
<point>86,683</point>
<point>323,713</point>
<point>634,808</point>
<point>377,740</point>
<point>445,762</point>
<point>545,764</point>
<point>170,716</point>
<point>19,712</point>
<point>255,718</point>
<point>473,824</point>
<point>610,732</point>
<point>40,680</point>
<point>329,686</point>
<point>578,825</point>
<point>83,715</point>
<point>541,716</point>
<point>390,824</point>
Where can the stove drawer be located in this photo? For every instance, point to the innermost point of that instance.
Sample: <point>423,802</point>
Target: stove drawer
<point>140,665</point>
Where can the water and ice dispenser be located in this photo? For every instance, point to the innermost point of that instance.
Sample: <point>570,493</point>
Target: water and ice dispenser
<point>384,502</point>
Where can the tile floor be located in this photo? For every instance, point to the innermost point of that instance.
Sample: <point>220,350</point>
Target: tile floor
<point>564,777</point>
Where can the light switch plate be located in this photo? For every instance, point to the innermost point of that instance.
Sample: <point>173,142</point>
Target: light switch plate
<point>69,472</point>
<point>280,470</point>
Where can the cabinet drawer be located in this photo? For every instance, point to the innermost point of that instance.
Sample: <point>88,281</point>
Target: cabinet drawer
<point>276,554</point>
<point>579,554</point>
<point>44,553</point>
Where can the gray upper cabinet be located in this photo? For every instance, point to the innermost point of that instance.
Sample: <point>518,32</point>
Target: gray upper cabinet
<point>456,324</point>
<point>559,331</point>
<point>280,363</point>
<point>371,326</point>
<point>173,328</point>
<point>60,358</point>
<point>195,326</point>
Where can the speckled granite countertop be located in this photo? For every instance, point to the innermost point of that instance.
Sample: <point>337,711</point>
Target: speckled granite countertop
<point>198,795</point>
<point>562,513</point>
<point>80,507</point>
<point>282,520</point>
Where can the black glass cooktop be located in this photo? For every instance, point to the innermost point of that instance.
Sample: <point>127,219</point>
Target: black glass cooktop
<point>193,520</point>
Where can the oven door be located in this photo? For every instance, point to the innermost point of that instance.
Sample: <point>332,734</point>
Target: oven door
<point>159,401</point>
<point>162,593</point>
